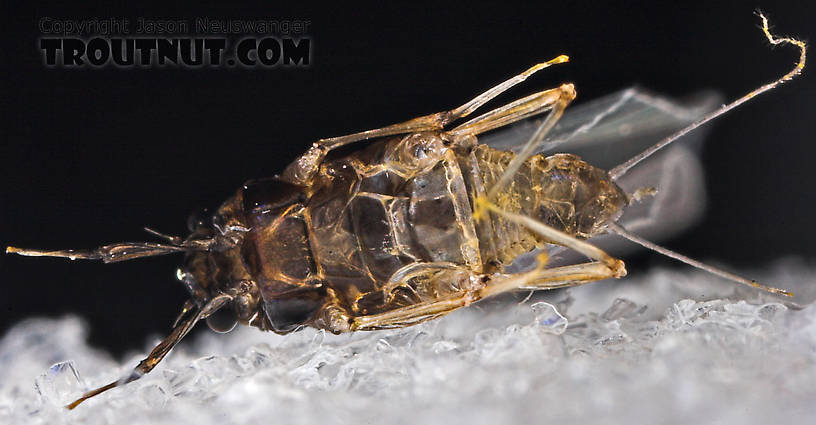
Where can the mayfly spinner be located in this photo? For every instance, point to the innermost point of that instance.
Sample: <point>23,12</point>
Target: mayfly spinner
<point>417,220</point>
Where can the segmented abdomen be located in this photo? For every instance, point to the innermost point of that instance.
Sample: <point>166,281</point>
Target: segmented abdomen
<point>561,191</point>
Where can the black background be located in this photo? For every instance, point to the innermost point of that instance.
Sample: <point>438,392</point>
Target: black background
<point>90,156</point>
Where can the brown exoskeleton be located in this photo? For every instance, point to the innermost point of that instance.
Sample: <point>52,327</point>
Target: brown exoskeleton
<point>417,221</point>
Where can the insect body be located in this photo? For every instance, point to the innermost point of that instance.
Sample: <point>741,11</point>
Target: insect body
<point>398,225</point>
<point>388,230</point>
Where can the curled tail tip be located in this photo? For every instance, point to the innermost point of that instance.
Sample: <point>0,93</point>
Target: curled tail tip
<point>773,39</point>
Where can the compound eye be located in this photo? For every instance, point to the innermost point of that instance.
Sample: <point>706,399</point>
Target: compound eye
<point>198,218</point>
<point>223,320</point>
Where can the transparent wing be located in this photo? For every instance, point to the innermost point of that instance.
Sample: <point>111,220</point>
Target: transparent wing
<point>611,129</point>
<point>606,132</point>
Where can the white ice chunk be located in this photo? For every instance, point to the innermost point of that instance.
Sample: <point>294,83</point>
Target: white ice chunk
<point>548,318</point>
<point>665,347</point>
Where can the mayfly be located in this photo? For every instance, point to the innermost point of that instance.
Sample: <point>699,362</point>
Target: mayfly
<point>413,221</point>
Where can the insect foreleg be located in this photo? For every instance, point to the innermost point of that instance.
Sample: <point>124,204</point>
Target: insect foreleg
<point>301,171</point>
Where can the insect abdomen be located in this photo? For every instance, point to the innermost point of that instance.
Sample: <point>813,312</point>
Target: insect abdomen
<point>561,191</point>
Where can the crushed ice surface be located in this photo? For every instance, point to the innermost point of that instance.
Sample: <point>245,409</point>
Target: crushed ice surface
<point>665,347</point>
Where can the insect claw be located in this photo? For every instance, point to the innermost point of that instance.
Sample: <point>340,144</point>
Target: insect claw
<point>560,59</point>
<point>619,269</point>
<point>771,289</point>
<point>539,66</point>
<point>66,253</point>
<point>92,393</point>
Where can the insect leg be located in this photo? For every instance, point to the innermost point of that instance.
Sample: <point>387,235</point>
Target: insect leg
<point>440,119</point>
<point>478,286</point>
<point>411,315</point>
<point>302,170</point>
<point>109,253</point>
<point>184,324</point>
<point>616,267</point>
<point>435,289</point>
<point>617,229</point>
<point>489,285</point>
<point>512,112</point>
<point>558,277</point>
